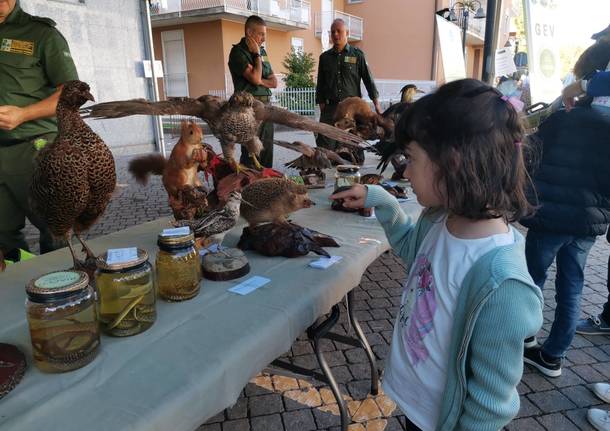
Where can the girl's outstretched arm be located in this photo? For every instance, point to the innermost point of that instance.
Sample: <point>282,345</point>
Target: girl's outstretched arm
<point>397,225</point>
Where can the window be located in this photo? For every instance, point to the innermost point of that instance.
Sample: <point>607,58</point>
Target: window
<point>354,1</point>
<point>298,44</point>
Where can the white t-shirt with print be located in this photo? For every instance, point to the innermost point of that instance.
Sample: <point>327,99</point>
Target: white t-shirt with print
<point>416,372</point>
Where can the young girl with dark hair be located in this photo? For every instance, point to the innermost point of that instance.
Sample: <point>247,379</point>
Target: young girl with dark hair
<point>468,303</point>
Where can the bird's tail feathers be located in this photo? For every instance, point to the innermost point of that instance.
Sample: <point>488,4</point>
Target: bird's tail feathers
<point>142,167</point>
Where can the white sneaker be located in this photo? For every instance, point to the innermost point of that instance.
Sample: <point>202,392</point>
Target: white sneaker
<point>530,342</point>
<point>602,390</point>
<point>600,419</point>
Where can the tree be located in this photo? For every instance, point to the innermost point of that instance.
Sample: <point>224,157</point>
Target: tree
<point>300,67</point>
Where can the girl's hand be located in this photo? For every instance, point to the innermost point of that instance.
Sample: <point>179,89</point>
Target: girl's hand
<point>352,198</point>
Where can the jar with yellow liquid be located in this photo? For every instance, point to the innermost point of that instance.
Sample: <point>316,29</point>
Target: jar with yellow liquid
<point>178,267</point>
<point>62,318</point>
<point>126,295</point>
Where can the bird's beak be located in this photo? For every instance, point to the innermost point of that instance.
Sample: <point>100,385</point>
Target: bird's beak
<point>419,91</point>
<point>89,96</point>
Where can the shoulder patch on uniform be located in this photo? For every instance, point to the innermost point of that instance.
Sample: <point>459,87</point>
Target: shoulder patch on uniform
<point>25,47</point>
<point>45,20</point>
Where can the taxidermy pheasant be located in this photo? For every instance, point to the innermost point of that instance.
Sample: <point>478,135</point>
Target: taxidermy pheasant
<point>187,195</point>
<point>236,121</point>
<point>74,175</point>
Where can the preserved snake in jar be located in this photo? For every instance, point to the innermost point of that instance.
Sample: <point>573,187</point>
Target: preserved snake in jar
<point>62,317</point>
<point>126,295</point>
<point>178,267</point>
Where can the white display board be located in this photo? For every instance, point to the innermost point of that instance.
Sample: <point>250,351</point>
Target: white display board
<point>541,20</point>
<point>450,40</point>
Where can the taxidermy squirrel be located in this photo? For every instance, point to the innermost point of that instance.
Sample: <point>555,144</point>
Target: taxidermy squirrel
<point>187,195</point>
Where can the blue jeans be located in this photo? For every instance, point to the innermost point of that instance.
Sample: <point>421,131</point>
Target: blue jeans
<point>571,251</point>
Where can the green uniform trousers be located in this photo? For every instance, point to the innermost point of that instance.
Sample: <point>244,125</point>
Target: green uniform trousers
<point>16,169</point>
<point>327,116</point>
<point>266,157</point>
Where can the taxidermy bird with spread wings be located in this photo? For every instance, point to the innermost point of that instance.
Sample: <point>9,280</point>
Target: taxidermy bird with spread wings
<point>236,121</point>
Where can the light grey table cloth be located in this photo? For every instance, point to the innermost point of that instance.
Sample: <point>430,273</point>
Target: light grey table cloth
<point>198,356</point>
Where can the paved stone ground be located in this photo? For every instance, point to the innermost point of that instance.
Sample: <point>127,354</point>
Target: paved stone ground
<point>273,402</point>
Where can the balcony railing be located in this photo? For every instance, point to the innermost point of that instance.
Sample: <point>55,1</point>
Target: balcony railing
<point>475,26</point>
<point>296,11</point>
<point>355,24</point>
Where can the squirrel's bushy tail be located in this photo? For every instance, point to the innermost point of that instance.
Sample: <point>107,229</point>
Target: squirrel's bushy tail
<point>142,167</point>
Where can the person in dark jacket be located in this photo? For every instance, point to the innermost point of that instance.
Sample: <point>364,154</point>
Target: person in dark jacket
<point>573,190</point>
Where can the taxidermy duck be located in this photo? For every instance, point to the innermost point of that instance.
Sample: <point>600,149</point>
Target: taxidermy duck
<point>215,225</point>
<point>284,239</point>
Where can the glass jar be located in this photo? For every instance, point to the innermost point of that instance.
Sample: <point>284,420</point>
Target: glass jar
<point>62,317</point>
<point>347,176</point>
<point>126,295</point>
<point>178,267</point>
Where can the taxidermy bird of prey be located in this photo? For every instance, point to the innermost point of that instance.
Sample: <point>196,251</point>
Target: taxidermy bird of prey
<point>74,175</point>
<point>386,147</point>
<point>236,121</point>
<point>217,223</point>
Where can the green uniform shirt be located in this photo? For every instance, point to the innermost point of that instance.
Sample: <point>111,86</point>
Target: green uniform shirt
<point>339,75</point>
<point>239,59</point>
<point>34,60</point>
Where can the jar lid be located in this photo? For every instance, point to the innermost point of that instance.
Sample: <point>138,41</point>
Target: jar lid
<point>177,240</point>
<point>348,169</point>
<point>103,265</point>
<point>57,284</point>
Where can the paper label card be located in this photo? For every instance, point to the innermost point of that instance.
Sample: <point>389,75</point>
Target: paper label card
<point>325,262</point>
<point>184,230</point>
<point>211,249</point>
<point>121,255</point>
<point>250,285</point>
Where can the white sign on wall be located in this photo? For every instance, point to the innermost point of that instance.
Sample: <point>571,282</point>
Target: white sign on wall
<point>504,64</point>
<point>450,39</point>
<point>541,18</point>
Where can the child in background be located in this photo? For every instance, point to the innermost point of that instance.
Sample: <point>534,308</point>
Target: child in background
<point>469,302</point>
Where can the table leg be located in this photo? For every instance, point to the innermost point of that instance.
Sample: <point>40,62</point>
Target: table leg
<point>364,344</point>
<point>322,330</point>
<point>315,333</point>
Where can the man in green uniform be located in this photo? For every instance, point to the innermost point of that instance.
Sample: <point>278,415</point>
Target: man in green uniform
<point>34,62</point>
<point>252,72</point>
<point>340,70</point>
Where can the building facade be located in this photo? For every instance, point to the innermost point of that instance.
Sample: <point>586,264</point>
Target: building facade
<point>107,41</point>
<point>193,38</point>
